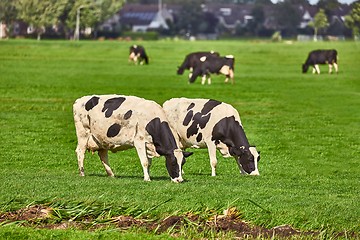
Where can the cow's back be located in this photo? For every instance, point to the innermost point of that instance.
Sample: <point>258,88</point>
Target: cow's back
<point>322,57</point>
<point>113,121</point>
<point>193,119</point>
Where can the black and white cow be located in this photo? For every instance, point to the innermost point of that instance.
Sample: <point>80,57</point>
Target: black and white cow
<point>138,55</point>
<point>214,64</point>
<point>116,123</point>
<point>317,57</point>
<point>206,123</point>
<point>193,59</point>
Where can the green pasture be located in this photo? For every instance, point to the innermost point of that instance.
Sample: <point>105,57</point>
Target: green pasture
<point>306,126</point>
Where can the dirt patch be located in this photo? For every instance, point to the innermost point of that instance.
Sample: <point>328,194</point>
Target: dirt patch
<point>27,214</point>
<point>42,217</point>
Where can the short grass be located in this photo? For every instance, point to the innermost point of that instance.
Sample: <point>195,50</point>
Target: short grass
<point>306,127</point>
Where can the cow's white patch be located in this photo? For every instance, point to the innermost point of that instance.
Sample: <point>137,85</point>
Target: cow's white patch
<point>131,56</point>
<point>229,56</point>
<point>151,150</point>
<point>203,59</point>
<point>255,153</point>
<point>225,70</point>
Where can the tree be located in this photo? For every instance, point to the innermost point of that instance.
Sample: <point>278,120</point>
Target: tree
<point>328,5</point>
<point>258,21</point>
<point>40,13</point>
<point>189,17</point>
<point>287,18</point>
<point>7,14</point>
<point>352,20</point>
<point>92,12</point>
<point>320,21</point>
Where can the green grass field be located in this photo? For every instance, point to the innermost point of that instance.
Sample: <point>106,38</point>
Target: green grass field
<point>306,127</point>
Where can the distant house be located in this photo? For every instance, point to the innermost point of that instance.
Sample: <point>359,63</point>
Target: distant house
<point>231,15</point>
<point>139,18</point>
<point>145,17</point>
<point>307,13</point>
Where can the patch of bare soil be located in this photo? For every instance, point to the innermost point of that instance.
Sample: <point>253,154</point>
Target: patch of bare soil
<point>40,217</point>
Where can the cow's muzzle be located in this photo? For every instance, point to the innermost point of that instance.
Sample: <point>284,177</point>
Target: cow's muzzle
<point>255,173</point>
<point>177,180</point>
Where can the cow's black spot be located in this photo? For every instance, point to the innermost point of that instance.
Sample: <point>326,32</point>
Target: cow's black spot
<point>199,137</point>
<point>91,103</point>
<point>127,115</point>
<point>188,118</point>
<point>209,106</point>
<point>203,120</point>
<point>111,105</point>
<point>191,106</point>
<point>199,119</point>
<point>192,130</point>
<point>113,130</point>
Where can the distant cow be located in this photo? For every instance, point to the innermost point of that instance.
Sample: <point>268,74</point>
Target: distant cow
<point>193,59</point>
<point>214,64</point>
<point>317,57</point>
<point>116,123</point>
<point>138,55</point>
<point>206,123</point>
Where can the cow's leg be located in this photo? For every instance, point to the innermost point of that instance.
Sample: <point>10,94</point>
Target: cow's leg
<point>212,154</point>
<point>203,79</point>
<point>336,67</point>
<point>80,152</point>
<point>145,161</point>
<point>209,80</point>
<point>330,68</point>
<point>103,154</point>
<point>314,70</point>
<point>317,68</point>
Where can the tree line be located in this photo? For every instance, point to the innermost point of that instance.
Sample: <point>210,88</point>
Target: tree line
<point>40,14</point>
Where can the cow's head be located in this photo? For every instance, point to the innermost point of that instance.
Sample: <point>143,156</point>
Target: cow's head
<point>180,70</point>
<point>247,159</point>
<point>305,67</point>
<point>133,57</point>
<point>174,162</point>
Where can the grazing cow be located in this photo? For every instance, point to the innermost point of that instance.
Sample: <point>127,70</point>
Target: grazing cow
<point>317,57</point>
<point>116,123</point>
<point>193,59</point>
<point>206,123</point>
<point>214,64</point>
<point>138,55</point>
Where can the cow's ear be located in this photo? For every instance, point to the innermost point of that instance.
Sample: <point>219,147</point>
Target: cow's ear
<point>187,154</point>
<point>234,151</point>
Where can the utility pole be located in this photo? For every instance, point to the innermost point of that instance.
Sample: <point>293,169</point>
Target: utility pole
<point>77,28</point>
<point>160,6</point>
